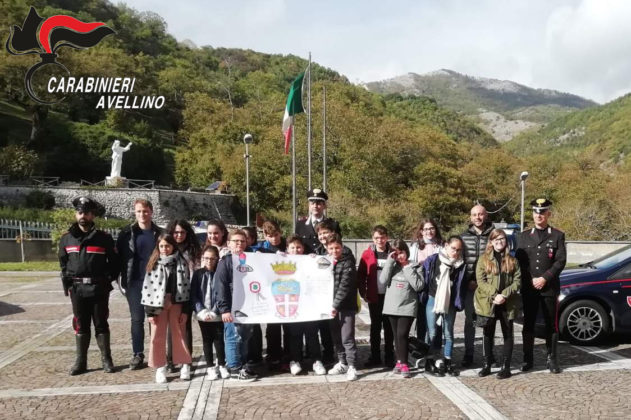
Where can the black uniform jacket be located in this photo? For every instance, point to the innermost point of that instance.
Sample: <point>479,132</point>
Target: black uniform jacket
<point>543,257</point>
<point>88,254</point>
<point>307,232</point>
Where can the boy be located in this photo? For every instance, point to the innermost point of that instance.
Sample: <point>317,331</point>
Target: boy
<point>373,292</point>
<point>344,308</point>
<point>274,240</point>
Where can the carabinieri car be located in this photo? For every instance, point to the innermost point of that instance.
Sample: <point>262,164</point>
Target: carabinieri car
<point>595,298</point>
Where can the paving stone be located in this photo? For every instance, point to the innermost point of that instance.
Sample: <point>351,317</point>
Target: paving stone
<point>14,333</point>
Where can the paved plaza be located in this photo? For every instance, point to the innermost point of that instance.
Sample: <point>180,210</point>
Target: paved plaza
<point>37,350</point>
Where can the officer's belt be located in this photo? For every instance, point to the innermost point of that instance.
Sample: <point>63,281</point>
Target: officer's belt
<point>87,280</point>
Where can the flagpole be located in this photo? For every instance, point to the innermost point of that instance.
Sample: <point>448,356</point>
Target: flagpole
<point>324,138</point>
<point>293,178</point>
<point>309,123</point>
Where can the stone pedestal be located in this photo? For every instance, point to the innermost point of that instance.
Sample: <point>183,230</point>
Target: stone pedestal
<point>116,181</point>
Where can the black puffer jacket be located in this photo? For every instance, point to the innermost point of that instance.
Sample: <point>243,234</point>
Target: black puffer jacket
<point>474,246</point>
<point>345,284</point>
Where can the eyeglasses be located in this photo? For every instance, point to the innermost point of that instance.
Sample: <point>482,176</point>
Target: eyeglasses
<point>501,239</point>
<point>179,232</point>
<point>429,229</point>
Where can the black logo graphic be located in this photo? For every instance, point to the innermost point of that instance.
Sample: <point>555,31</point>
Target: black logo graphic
<point>45,36</point>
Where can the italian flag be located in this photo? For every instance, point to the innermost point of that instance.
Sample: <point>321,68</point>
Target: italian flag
<point>293,107</point>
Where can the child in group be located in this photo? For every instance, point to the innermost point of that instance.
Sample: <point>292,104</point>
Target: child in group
<point>165,296</point>
<point>308,328</point>
<point>204,300</point>
<point>344,308</point>
<point>274,240</point>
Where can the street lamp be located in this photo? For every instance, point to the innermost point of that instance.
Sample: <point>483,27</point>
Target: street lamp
<point>522,179</point>
<point>247,139</point>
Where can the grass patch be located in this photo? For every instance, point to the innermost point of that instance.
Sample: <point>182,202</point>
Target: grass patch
<point>30,266</point>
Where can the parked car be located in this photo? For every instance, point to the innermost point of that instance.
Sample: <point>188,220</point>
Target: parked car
<point>595,298</point>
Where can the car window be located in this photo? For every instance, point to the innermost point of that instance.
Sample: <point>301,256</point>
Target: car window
<point>623,273</point>
<point>612,258</point>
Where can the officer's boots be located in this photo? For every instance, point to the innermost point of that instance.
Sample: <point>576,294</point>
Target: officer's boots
<point>103,341</point>
<point>488,356</point>
<point>82,342</point>
<point>529,342</point>
<point>553,355</point>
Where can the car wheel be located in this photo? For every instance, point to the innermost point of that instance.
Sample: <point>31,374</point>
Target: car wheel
<point>584,322</point>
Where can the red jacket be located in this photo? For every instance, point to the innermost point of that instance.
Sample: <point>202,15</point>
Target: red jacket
<point>367,275</point>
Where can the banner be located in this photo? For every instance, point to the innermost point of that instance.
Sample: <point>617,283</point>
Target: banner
<point>271,288</point>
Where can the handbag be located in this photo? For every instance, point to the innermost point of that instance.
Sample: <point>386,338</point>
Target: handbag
<point>482,321</point>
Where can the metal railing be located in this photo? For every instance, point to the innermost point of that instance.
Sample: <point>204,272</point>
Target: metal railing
<point>27,230</point>
<point>147,184</point>
<point>45,181</point>
<point>85,183</point>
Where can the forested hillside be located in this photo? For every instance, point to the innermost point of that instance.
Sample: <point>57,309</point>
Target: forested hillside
<point>390,159</point>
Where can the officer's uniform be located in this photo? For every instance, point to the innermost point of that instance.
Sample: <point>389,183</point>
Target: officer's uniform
<point>305,226</point>
<point>88,263</point>
<point>541,253</point>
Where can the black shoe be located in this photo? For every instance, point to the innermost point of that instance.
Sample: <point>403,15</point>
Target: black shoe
<point>372,362</point>
<point>485,371</point>
<point>504,373</point>
<point>430,369</point>
<point>467,361</point>
<point>137,361</point>
<point>526,366</point>
<point>553,365</point>
<point>82,342</point>
<point>245,376</point>
<point>450,369</point>
<point>103,340</point>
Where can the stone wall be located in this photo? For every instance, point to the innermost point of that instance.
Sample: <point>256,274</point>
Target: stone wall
<point>167,204</point>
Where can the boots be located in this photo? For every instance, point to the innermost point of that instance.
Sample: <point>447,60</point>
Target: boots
<point>103,340</point>
<point>450,368</point>
<point>529,343</point>
<point>553,355</point>
<point>429,367</point>
<point>486,369</point>
<point>505,371</point>
<point>82,342</point>
<point>487,343</point>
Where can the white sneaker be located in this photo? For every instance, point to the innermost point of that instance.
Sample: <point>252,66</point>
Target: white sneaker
<point>224,372</point>
<point>161,375</point>
<point>212,372</point>
<point>318,368</point>
<point>351,375</point>
<point>295,368</point>
<point>185,372</point>
<point>338,369</point>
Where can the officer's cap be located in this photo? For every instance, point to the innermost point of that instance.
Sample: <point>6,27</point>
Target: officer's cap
<point>540,205</point>
<point>317,194</point>
<point>87,205</point>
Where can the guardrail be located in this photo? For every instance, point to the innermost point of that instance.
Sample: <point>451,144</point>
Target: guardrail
<point>146,184</point>
<point>84,183</point>
<point>45,181</point>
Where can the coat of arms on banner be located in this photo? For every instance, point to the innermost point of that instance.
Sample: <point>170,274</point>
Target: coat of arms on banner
<point>286,290</point>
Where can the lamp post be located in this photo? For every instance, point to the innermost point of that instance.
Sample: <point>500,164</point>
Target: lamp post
<point>247,139</point>
<point>522,179</point>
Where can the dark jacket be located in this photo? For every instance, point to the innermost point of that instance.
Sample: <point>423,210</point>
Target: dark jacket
<point>307,233</point>
<point>199,289</point>
<point>545,257</point>
<point>459,288</point>
<point>126,249</point>
<point>223,284</point>
<point>88,254</point>
<point>474,246</point>
<point>367,274</point>
<point>345,284</point>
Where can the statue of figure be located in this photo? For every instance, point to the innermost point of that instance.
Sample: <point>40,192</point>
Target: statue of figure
<point>117,158</point>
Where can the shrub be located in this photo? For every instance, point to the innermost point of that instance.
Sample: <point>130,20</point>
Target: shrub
<point>39,199</point>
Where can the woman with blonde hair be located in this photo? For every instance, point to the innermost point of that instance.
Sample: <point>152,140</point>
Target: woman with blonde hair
<point>497,298</point>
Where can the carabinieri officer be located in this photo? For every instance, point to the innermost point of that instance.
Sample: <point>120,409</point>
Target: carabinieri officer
<point>89,263</point>
<point>305,226</point>
<point>541,254</point>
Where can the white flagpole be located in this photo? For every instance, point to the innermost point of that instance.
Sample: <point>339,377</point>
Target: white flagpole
<point>293,177</point>
<point>324,138</point>
<point>309,123</point>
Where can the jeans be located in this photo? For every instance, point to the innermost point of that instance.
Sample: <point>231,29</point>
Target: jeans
<point>448,329</point>
<point>137,311</point>
<point>237,338</point>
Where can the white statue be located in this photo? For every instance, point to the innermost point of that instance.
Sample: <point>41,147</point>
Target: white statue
<point>117,158</point>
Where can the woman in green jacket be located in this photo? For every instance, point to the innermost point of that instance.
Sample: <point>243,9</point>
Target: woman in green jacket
<point>496,298</point>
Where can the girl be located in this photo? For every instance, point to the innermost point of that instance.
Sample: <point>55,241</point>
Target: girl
<point>445,295</point>
<point>204,300</point>
<point>218,236</point>
<point>403,282</point>
<point>496,297</point>
<point>165,296</point>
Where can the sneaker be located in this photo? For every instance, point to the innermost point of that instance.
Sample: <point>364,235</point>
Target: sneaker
<point>185,372</point>
<point>338,369</point>
<point>405,371</point>
<point>244,376</point>
<point>351,374</point>
<point>161,375</point>
<point>397,368</point>
<point>318,368</point>
<point>213,373</point>
<point>223,371</point>
<point>295,368</point>
<point>137,361</point>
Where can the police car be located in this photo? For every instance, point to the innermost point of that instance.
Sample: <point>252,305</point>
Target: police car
<point>595,298</point>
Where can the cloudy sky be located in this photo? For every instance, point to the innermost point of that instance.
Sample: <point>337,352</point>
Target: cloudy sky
<point>577,46</point>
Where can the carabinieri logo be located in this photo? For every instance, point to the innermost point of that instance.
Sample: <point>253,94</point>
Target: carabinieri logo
<point>45,36</point>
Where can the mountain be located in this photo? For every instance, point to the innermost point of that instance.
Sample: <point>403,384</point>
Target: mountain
<point>502,107</point>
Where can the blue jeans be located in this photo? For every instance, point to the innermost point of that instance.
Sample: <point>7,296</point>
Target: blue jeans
<point>236,338</point>
<point>448,329</point>
<point>137,311</point>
